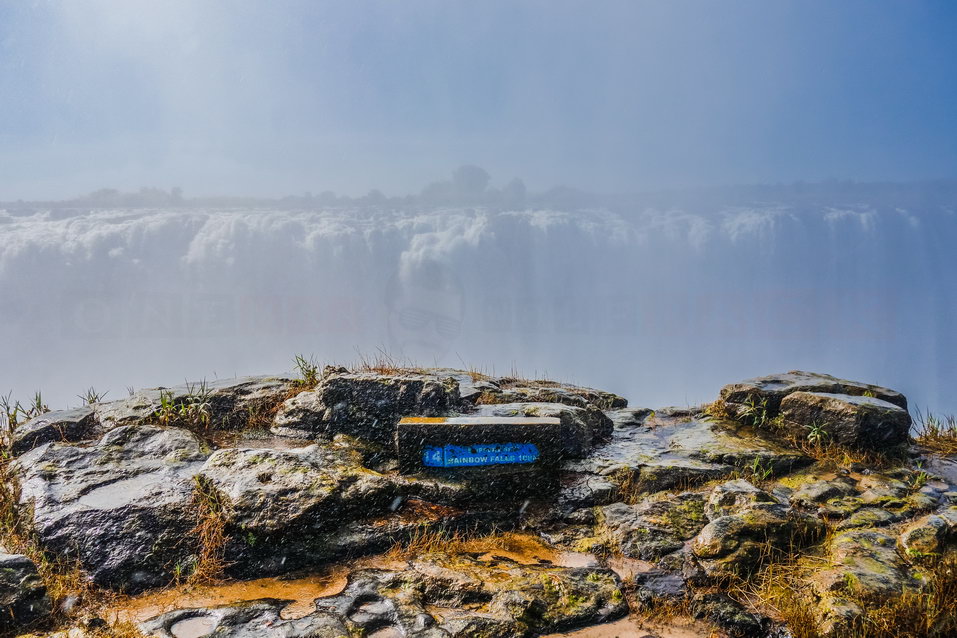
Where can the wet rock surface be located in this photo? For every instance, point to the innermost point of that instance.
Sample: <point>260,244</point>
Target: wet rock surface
<point>745,525</point>
<point>772,389</point>
<point>855,421</point>
<point>668,449</point>
<point>654,527</point>
<point>254,619</point>
<point>682,501</point>
<point>435,595</point>
<point>62,425</point>
<point>231,403</point>
<point>288,509</point>
<point>122,506</point>
<point>23,596</point>
<point>366,405</point>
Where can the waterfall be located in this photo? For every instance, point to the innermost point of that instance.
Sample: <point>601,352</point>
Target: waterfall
<point>663,302</point>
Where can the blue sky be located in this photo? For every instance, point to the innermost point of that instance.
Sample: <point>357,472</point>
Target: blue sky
<point>283,97</point>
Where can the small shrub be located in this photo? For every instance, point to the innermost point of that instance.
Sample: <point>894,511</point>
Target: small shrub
<point>308,371</point>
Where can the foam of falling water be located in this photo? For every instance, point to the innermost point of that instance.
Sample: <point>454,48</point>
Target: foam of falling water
<point>663,304</point>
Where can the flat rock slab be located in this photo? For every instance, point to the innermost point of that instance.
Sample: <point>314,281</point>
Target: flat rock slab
<point>468,441</point>
<point>773,388</point>
<point>676,449</point>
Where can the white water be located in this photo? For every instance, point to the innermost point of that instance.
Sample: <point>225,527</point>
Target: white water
<point>663,303</point>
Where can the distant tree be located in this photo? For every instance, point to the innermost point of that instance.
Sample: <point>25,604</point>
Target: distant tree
<point>513,193</point>
<point>375,197</point>
<point>470,181</point>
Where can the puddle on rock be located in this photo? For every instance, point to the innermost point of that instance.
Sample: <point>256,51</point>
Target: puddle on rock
<point>628,568</point>
<point>302,591</point>
<point>632,627</point>
<point>195,627</point>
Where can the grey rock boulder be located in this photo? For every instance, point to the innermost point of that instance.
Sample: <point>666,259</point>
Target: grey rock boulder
<point>654,527</point>
<point>855,421</point>
<point>365,405</point>
<point>931,535</point>
<point>287,509</point>
<point>733,497</point>
<point>745,524</point>
<point>773,388</point>
<point>232,403</point>
<point>511,390</point>
<point>61,425</point>
<point>122,506</point>
<point>23,596</point>
<point>670,450</point>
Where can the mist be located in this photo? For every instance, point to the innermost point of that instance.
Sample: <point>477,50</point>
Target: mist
<point>206,189</point>
<point>244,98</point>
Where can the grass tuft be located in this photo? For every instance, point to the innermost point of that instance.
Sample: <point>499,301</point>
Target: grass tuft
<point>192,411</point>
<point>213,510</point>
<point>308,371</point>
<point>91,396</point>
<point>383,362</point>
<point>936,433</point>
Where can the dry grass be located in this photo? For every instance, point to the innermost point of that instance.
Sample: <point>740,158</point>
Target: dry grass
<point>262,416</point>
<point>631,489</point>
<point>383,362</point>
<point>718,411</point>
<point>213,509</point>
<point>488,398</point>
<point>782,591</point>
<point>815,442</point>
<point>829,452</point>
<point>937,433</point>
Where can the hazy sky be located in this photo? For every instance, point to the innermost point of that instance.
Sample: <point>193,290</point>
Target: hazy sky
<point>282,97</point>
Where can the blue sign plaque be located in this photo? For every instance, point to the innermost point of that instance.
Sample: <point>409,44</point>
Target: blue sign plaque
<point>479,454</point>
